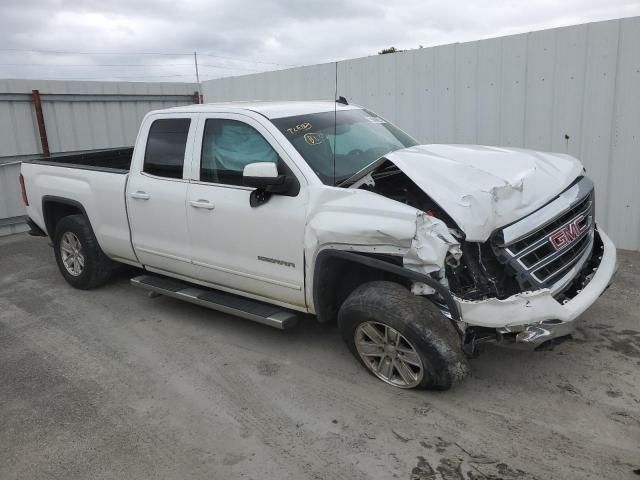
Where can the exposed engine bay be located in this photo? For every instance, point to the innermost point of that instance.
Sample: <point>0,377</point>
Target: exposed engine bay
<point>477,274</point>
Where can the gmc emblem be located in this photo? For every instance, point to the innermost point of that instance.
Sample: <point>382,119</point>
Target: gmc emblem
<point>567,234</point>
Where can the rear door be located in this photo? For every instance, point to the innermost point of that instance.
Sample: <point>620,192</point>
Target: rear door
<point>254,250</point>
<point>156,192</point>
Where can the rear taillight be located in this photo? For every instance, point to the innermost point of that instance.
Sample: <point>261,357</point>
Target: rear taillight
<point>23,190</point>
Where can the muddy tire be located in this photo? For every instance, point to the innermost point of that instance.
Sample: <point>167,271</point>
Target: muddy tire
<point>401,338</point>
<point>80,259</point>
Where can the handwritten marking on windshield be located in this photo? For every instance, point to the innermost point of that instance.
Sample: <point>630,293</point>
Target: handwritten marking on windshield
<point>314,138</point>
<point>301,127</point>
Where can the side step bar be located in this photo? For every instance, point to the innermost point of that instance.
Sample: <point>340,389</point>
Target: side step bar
<point>255,310</point>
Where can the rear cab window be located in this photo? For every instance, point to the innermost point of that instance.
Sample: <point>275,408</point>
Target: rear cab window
<point>166,146</point>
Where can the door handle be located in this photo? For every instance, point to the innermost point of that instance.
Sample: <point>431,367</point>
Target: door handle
<point>202,204</point>
<point>140,195</point>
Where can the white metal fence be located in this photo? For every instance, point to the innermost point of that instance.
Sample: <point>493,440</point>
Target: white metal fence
<point>574,90</point>
<point>77,116</point>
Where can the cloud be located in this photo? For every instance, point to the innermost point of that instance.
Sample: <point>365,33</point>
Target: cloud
<point>244,36</point>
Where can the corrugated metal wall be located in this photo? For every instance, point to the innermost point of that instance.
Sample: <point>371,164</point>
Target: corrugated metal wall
<point>574,90</point>
<point>78,116</point>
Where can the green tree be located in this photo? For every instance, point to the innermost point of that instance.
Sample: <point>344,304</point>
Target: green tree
<point>389,50</point>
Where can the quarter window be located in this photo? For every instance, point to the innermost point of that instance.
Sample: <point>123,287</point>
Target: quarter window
<point>227,147</point>
<point>166,145</point>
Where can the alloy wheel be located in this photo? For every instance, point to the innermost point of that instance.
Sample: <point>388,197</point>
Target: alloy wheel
<point>388,354</point>
<point>72,254</point>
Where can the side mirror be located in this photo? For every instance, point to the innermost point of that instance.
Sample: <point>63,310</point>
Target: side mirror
<point>262,175</point>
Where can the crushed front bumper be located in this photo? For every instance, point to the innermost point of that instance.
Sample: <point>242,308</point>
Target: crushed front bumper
<point>532,318</point>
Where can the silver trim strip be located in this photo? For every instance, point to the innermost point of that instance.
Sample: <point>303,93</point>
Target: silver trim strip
<point>588,248</point>
<point>586,212</point>
<point>573,271</point>
<point>543,240</point>
<point>531,224</point>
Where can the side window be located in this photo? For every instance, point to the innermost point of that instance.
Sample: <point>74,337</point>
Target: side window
<point>166,144</point>
<point>229,145</point>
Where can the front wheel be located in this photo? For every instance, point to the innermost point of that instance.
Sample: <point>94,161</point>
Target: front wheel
<point>401,338</point>
<point>80,259</point>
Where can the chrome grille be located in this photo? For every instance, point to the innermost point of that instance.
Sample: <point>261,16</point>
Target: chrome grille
<point>543,247</point>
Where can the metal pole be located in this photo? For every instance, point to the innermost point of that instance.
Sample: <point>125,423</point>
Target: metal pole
<point>37,105</point>
<point>195,61</point>
<point>335,123</point>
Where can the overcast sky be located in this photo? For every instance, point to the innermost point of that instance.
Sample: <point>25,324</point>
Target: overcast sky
<point>152,39</point>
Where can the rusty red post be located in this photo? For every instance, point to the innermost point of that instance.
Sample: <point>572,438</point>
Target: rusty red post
<point>37,105</point>
<point>197,98</point>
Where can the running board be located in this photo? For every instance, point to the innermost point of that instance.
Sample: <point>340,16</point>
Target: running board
<point>254,310</point>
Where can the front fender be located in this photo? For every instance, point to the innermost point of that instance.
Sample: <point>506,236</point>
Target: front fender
<point>352,220</point>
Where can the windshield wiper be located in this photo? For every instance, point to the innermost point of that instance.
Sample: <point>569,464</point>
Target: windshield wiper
<point>362,172</point>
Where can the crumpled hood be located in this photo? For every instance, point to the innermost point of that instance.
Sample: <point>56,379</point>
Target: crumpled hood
<point>484,188</point>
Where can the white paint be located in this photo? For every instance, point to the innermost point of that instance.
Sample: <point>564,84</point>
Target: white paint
<point>482,188</point>
<point>101,194</point>
<point>530,308</point>
<point>261,170</point>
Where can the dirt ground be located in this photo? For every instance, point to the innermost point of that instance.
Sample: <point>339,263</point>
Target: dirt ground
<point>110,383</point>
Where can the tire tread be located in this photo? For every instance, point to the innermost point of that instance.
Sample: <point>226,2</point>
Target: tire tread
<point>419,320</point>
<point>98,266</point>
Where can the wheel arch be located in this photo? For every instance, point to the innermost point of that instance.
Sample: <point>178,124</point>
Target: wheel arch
<point>55,208</point>
<point>354,269</point>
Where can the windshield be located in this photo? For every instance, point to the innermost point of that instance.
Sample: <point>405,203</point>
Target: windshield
<point>359,137</point>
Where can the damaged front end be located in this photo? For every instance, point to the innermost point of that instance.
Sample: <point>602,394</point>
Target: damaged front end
<point>528,281</point>
<point>558,262</point>
<point>533,318</point>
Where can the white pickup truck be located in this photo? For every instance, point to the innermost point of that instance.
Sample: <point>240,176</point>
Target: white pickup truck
<point>269,210</point>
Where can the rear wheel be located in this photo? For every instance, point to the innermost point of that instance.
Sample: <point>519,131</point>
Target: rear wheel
<point>401,338</point>
<point>80,259</point>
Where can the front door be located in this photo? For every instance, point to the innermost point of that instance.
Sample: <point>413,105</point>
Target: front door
<point>255,250</point>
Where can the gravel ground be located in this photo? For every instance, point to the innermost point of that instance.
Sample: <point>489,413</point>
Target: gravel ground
<point>113,384</point>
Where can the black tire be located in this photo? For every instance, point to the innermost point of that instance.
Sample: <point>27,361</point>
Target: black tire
<point>97,266</point>
<point>428,332</point>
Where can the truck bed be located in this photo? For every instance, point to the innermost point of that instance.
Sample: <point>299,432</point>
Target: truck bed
<point>115,160</point>
<point>94,181</point>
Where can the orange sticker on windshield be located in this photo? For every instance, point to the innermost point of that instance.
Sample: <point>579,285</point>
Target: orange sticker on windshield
<point>314,138</point>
